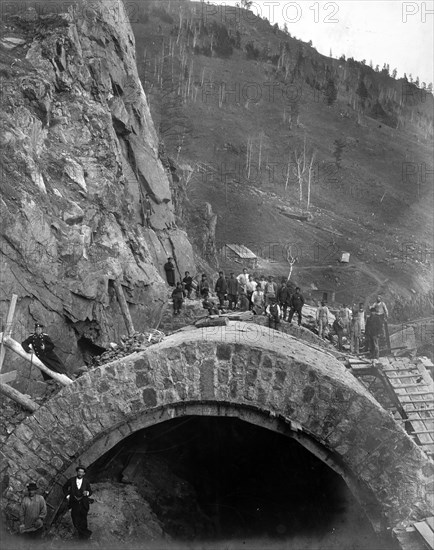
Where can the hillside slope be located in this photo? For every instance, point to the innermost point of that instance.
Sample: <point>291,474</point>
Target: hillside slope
<point>233,99</point>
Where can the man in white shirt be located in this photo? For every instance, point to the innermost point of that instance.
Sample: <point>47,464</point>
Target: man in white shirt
<point>77,491</point>
<point>243,279</point>
<point>251,287</point>
<point>345,314</point>
<point>273,313</point>
<point>381,308</point>
<point>258,301</point>
<point>322,319</point>
<point>383,314</point>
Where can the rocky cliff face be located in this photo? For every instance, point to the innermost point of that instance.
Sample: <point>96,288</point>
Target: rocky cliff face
<point>85,199</point>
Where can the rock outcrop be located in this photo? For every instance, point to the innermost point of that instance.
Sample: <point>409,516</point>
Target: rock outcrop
<point>85,199</point>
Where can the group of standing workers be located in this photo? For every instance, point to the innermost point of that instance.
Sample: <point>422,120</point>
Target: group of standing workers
<point>243,292</point>
<point>356,323</point>
<point>264,296</point>
<point>259,295</point>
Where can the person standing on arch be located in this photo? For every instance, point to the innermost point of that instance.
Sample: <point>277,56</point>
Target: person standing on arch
<point>42,346</point>
<point>221,289</point>
<point>169,268</point>
<point>233,289</point>
<point>296,303</point>
<point>243,279</point>
<point>322,319</point>
<point>77,491</point>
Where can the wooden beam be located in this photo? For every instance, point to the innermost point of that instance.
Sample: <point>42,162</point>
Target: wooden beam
<point>31,358</point>
<point>212,322</point>
<point>124,307</point>
<point>413,393</point>
<point>8,328</point>
<point>8,377</point>
<point>415,375</point>
<point>426,533</point>
<point>421,385</point>
<point>18,397</point>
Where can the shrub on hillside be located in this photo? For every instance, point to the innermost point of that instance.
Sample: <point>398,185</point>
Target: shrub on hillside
<point>222,41</point>
<point>331,91</point>
<point>362,92</point>
<point>251,51</point>
<point>162,14</point>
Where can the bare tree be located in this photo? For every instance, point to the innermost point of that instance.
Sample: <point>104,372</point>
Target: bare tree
<point>302,164</point>
<point>249,156</point>
<point>291,260</point>
<point>300,168</point>
<point>309,178</point>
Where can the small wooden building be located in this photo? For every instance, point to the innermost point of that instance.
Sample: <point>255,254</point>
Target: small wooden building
<point>240,254</point>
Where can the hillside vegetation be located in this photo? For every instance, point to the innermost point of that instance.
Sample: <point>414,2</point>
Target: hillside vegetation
<point>240,106</point>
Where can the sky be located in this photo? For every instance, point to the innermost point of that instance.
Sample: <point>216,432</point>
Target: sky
<point>384,31</point>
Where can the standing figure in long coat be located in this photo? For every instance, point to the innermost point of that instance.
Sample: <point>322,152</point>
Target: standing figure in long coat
<point>77,491</point>
<point>169,268</point>
<point>42,346</point>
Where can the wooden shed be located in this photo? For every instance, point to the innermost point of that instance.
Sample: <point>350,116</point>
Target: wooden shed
<point>240,254</point>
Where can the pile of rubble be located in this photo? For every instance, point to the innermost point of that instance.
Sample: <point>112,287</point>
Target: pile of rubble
<point>128,345</point>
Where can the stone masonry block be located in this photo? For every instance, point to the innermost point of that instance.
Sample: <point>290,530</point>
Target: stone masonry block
<point>207,379</point>
<point>150,397</point>
<point>143,379</point>
<point>224,352</point>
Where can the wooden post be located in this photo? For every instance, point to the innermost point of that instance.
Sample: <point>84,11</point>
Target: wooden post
<point>8,327</point>
<point>31,358</point>
<point>124,307</point>
<point>18,397</point>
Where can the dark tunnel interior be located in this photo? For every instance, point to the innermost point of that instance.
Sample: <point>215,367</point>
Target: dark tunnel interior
<point>209,478</point>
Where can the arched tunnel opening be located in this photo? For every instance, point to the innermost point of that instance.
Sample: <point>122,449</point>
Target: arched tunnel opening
<point>202,479</point>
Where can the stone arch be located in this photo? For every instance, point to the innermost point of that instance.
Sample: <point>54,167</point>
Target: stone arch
<point>259,375</point>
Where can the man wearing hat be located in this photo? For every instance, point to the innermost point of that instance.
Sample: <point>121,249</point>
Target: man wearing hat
<point>42,346</point>
<point>169,268</point>
<point>32,513</point>
<point>77,491</point>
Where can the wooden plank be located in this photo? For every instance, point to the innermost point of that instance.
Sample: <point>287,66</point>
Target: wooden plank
<point>418,410</point>
<point>415,393</point>
<point>406,368</point>
<point>212,322</point>
<point>124,307</point>
<point>399,377</point>
<point>23,400</point>
<point>425,362</point>
<point>425,532</point>
<point>7,377</point>
<point>8,328</point>
<point>419,385</point>
<point>422,432</point>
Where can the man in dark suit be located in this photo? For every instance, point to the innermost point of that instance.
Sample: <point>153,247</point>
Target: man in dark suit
<point>42,346</point>
<point>77,490</point>
<point>169,268</point>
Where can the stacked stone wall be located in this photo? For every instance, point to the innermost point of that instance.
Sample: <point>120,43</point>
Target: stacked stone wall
<point>239,367</point>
